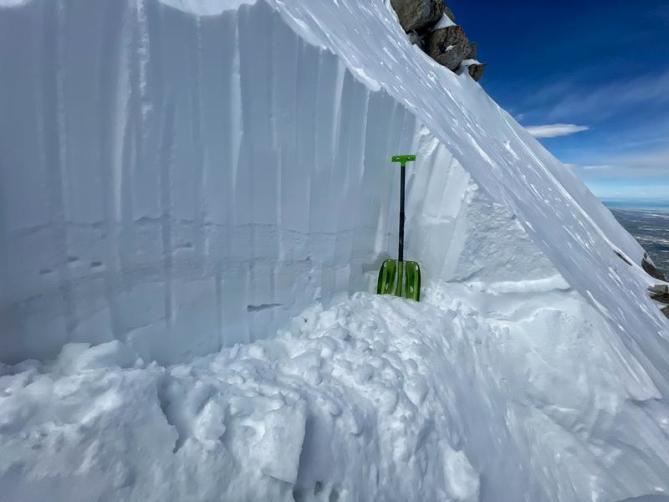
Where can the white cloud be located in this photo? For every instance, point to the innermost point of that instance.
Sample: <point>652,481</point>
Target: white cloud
<point>555,130</point>
<point>570,98</point>
<point>639,164</point>
<point>590,167</point>
<point>602,102</point>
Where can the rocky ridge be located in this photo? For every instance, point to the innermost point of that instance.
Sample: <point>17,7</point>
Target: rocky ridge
<point>660,294</point>
<point>431,26</point>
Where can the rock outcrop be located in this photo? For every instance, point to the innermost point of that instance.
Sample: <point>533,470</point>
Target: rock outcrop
<point>660,294</point>
<point>449,12</point>
<point>651,269</point>
<point>449,46</point>
<point>431,26</point>
<point>418,15</point>
<point>475,68</point>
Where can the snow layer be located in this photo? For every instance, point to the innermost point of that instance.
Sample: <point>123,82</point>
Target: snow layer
<point>484,392</point>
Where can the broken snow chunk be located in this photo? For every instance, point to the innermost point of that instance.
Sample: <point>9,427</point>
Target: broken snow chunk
<point>462,481</point>
<point>209,425</point>
<point>75,357</point>
<point>416,389</point>
<point>278,449</point>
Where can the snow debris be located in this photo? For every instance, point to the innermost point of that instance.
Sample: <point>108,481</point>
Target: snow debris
<point>373,398</point>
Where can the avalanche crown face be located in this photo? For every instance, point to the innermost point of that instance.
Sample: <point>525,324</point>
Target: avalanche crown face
<point>242,146</point>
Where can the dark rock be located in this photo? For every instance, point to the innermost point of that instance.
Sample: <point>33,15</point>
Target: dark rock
<point>659,289</point>
<point>659,293</point>
<point>448,46</point>
<point>651,269</point>
<point>473,51</point>
<point>417,15</point>
<point>473,67</point>
<point>665,311</point>
<point>660,298</point>
<point>416,39</point>
<point>476,70</point>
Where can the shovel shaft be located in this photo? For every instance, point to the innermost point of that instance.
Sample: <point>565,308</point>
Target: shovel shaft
<point>400,253</point>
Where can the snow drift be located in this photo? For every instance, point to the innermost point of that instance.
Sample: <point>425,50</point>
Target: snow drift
<point>178,177</point>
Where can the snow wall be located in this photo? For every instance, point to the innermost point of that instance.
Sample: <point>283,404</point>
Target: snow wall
<point>188,175</point>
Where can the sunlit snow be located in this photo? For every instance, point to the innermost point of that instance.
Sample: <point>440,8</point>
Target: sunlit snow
<point>195,197</point>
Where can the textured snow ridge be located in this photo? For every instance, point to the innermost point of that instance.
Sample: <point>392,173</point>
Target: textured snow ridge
<point>474,395</point>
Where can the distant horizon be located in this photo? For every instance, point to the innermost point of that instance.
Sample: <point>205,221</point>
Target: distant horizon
<point>635,203</point>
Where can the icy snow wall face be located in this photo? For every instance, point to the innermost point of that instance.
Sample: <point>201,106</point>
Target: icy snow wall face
<point>180,181</point>
<point>186,175</point>
<point>186,181</point>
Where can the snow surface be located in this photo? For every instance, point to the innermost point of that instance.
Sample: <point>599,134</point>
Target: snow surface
<point>180,178</point>
<point>500,392</point>
<point>444,22</point>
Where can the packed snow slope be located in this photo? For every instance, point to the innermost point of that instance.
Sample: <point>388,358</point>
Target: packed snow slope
<point>180,178</point>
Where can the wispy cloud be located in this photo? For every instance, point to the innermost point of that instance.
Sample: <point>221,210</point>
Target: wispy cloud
<point>638,176</point>
<point>592,167</point>
<point>555,130</point>
<point>608,100</point>
<point>639,165</point>
<point>575,98</point>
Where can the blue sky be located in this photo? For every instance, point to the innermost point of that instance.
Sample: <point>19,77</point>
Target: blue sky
<point>595,72</point>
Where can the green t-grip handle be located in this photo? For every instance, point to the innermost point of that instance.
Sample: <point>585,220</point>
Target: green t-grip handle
<point>403,159</point>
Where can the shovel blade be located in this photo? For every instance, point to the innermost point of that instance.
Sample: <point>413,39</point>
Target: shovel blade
<point>399,278</point>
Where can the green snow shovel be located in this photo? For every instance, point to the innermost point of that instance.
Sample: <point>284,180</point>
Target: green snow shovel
<point>399,277</point>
